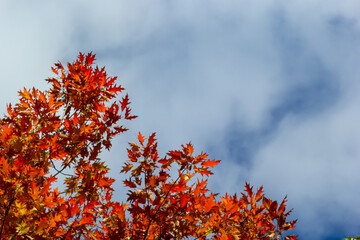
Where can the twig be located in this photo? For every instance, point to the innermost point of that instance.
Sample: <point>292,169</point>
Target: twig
<point>152,218</point>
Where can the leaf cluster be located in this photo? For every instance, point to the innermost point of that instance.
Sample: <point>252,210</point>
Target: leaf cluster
<point>58,134</point>
<point>49,133</point>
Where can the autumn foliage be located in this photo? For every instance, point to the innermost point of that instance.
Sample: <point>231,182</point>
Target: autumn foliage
<point>53,185</point>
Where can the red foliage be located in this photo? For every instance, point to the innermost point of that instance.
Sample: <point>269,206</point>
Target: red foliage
<point>63,130</point>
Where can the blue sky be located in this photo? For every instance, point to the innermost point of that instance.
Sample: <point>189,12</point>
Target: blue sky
<point>269,87</point>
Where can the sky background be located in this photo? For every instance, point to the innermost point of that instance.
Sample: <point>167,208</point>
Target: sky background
<point>271,88</point>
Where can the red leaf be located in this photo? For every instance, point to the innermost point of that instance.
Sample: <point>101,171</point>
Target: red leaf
<point>75,119</point>
<point>281,209</point>
<point>90,58</point>
<point>273,207</point>
<point>151,139</point>
<point>184,200</point>
<point>266,202</point>
<point>129,184</point>
<point>114,89</point>
<point>128,116</point>
<point>54,70</point>
<point>124,102</point>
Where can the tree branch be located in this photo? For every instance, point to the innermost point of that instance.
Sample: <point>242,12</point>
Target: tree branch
<point>156,212</point>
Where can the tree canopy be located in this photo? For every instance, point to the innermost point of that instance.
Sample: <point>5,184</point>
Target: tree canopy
<point>62,131</point>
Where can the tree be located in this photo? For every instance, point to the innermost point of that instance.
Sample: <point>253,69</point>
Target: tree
<point>59,133</point>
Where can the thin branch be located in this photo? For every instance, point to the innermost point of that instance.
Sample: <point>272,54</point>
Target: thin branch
<point>152,218</point>
<point>6,213</point>
<point>58,171</point>
<point>146,190</point>
<point>68,163</point>
<point>65,166</point>
<point>65,110</point>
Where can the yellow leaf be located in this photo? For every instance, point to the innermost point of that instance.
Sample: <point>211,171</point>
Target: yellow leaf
<point>21,208</point>
<point>22,229</point>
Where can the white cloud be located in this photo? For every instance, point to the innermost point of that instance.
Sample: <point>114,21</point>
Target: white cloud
<point>33,37</point>
<point>198,71</point>
<point>315,161</point>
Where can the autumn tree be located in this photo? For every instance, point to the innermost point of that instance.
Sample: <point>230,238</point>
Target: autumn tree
<point>59,133</point>
<point>351,238</point>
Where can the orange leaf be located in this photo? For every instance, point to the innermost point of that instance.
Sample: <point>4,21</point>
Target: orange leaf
<point>189,149</point>
<point>104,182</point>
<point>210,202</point>
<point>25,94</point>
<point>54,71</point>
<point>67,124</point>
<point>141,138</point>
<point>210,163</point>
<point>42,97</point>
